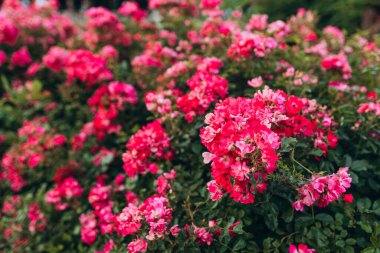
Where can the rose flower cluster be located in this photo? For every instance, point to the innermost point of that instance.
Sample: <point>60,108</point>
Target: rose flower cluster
<point>122,130</point>
<point>243,135</point>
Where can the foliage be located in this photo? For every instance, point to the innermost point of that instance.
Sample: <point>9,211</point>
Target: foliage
<point>186,128</point>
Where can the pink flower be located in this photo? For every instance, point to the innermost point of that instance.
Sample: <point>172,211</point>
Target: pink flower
<point>162,185</point>
<point>205,89</point>
<point>70,188</point>
<point>256,82</point>
<point>208,157</point>
<point>106,103</point>
<point>293,105</point>
<point>108,52</point>
<point>55,59</point>
<point>337,62</point>
<point>3,58</point>
<point>242,137</point>
<point>240,170</point>
<point>21,57</point>
<point>33,69</point>
<point>257,22</point>
<point>210,4</point>
<point>332,139</point>
<point>280,29</point>
<point>8,31</point>
<point>88,229</point>
<point>66,189</point>
<point>107,247</point>
<point>59,140</point>
<point>128,221</point>
<point>323,190</point>
<point>298,205</point>
<point>84,65</point>
<point>302,248</point>
<point>99,196</point>
<point>132,9</point>
<point>150,141</point>
<point>2,138</point>
<point>371,107</point>
<point>215,190</point>
<point>36,218</point>
<point>138,245</point>
<point>174,230</point>
<point>210,65</point>
<point>99,16</point>
<point>160,102</point>
<point>203,236</point>
<point>335,33</point>
<point>132,198</point>
<point>248,44</point>
<point>34,160</point>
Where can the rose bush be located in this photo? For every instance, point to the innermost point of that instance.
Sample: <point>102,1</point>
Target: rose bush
<point>186,128</point>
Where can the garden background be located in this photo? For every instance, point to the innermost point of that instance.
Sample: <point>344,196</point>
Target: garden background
<point>190,126</point>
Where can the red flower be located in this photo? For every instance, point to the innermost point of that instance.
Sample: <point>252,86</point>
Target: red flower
<point>348,198</point>
<point>293,105</point>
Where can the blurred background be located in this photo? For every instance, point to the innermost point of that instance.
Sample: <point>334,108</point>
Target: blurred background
<point>350,15</point>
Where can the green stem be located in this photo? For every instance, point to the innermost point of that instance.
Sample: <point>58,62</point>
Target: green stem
<point>303,167</point>
<point>298,163</point>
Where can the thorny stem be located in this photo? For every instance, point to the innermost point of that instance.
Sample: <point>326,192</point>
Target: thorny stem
<point>298,163</point>
<point>188,208</point>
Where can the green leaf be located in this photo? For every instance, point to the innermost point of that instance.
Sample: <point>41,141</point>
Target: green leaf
<point>105,160</point>
<point>239,229</point>
<point>316,152</point>
<point>325,218</point>
<point>366,227</point>
<point>239,245</point>
<point>6,85</point>
<point>320,238</point>
<point>359,165</point>
<point>351,241</point>
<point>267,243</point>
<point>304,221</point>
<point>37,87</point>
<point>287,144</point>
<point>368,250</point>
<point>196,148</point>
<point>348,161</point>
<point>288,215</point>
<point>363,204</point>
<point>340,243</point>
<point>376,207</point>
<point>355,178</point>
<point>374,184</point>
